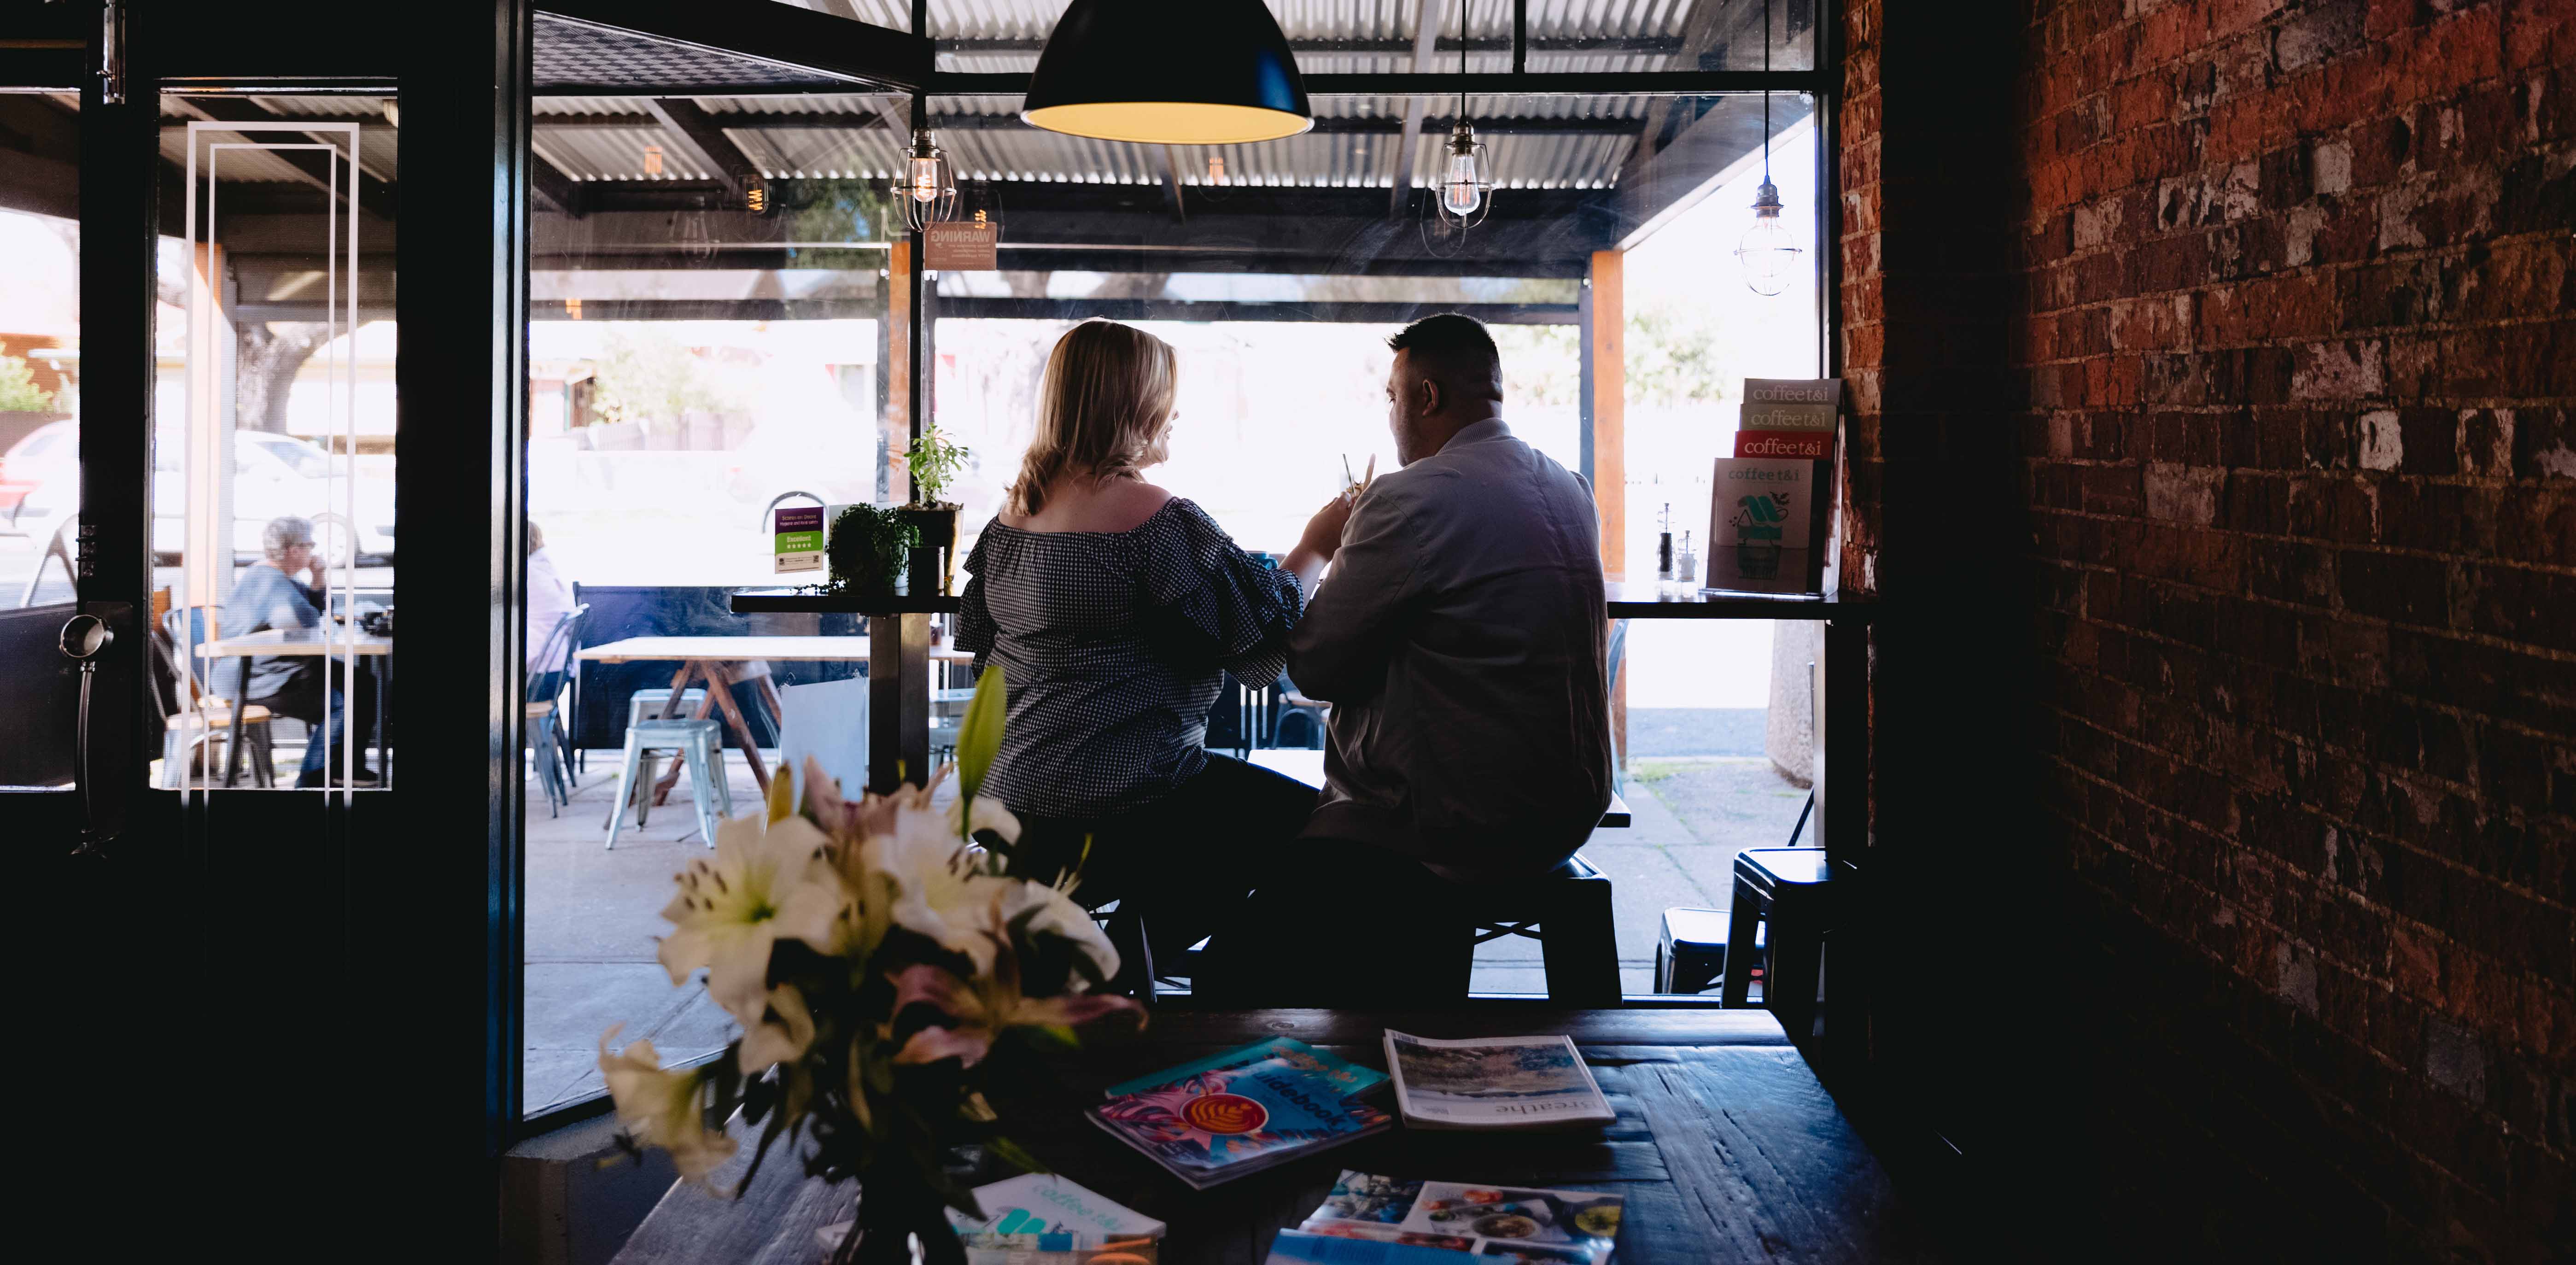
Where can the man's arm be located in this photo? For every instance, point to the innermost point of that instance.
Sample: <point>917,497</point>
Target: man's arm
<point>1338,651</point>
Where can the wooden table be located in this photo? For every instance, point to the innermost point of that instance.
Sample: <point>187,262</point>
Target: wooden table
<point>720,662</point>
<point>1726,1149</point>
<point>283,643</point>
<point>1308,767</point>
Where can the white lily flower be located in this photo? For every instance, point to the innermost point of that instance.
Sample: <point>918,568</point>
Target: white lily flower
<point>661,1108</point>
<point>769,1043</point>
<point>1058,914</point>
<point>760,886</point>
<point>986,813</point>
<point>941,890</point>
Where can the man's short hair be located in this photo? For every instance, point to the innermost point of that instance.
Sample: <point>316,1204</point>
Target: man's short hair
<point>1455,349</point>
<point>283,532</point>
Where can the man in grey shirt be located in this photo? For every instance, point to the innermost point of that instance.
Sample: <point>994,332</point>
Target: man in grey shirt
<point>1459,636</point>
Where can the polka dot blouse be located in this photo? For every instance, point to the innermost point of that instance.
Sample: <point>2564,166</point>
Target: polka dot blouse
<point>1116,643</point>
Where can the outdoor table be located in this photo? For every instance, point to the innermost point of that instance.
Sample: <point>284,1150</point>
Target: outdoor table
<point>719,661</point>
<point>1308,767</point>
<point>302,643</point>
<point>1726,1149</point>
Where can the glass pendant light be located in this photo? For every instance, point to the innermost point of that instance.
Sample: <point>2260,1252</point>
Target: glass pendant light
<point>1168,72</point>
<point>1768,253</point>
<point>1463,183</point>
<point>928,185</point>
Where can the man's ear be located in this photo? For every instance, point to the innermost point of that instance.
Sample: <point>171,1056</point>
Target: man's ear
<point>1432,395</point>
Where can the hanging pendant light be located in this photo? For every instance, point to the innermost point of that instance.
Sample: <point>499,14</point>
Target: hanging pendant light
<point>1168,72</point>
<point>1768,253</point>
<point>928,185</point>
<point>1463,183</point>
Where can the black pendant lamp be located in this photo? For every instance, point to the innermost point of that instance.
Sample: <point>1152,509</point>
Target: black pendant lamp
<point>1168,72</point>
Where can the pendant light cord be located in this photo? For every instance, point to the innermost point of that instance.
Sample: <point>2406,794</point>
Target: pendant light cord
<point>1462,59</point>
<point>1766,90</point>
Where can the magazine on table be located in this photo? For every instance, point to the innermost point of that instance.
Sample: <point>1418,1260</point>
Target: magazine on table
<point>1487,1222</point>
<point>1223,1123</point>
<point>1494,1083</point>
<point>1350,1077</point>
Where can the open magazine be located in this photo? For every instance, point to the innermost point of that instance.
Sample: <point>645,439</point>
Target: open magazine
<point>1509,1223</point>
<point>1493,1083</point>
<point>1221,1123</point>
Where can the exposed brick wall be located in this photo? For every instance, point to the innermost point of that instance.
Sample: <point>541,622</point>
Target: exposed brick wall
<point>2295,393</point>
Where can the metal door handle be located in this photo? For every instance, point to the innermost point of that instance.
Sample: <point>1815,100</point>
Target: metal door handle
<point>83,637</point>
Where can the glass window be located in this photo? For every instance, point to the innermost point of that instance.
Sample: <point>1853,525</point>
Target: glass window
<point>40,491</point>
<point>273,440</point>
<point>698,354</point>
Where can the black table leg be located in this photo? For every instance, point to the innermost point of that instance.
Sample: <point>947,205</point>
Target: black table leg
<point>898,701</point>
<point>233,740</point>
<point>384,666</point>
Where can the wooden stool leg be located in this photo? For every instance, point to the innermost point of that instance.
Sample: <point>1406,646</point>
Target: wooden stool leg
<point>1741,924</point>
<point>1580,947</point>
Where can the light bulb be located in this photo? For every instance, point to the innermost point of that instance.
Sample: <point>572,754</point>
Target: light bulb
<point>928,185</point>
<point>1766,250</point>
<point>1462,184</point>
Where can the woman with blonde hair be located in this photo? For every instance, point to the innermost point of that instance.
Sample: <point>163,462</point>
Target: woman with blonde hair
<point>1117,609</point>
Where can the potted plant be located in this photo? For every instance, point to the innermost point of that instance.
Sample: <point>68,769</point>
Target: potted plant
<point>933,460</point>
<point>868,549</point>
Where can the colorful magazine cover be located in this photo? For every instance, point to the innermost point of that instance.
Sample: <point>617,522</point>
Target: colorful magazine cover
<point>1224,1123</point>
<point>1494,1083</point>
<point>1351,1077</point>
<point>1549,1227</point>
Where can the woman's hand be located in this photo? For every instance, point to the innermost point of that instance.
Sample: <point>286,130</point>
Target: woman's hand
<point>1324,530</point>
<point>1322,540</point>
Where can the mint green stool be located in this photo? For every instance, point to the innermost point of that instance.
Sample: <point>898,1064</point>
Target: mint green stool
<point>701,743</point>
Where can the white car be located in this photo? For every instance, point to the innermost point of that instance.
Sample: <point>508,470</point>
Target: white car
<point>273,476</point>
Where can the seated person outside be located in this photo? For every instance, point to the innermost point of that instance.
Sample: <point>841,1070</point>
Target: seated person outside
<point>269,595</point>
<point>1459,636</point>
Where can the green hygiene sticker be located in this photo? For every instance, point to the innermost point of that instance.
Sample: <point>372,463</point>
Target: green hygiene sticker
<point>799,539</point>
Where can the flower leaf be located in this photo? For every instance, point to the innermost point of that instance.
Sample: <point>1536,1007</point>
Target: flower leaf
<point>979,735</point>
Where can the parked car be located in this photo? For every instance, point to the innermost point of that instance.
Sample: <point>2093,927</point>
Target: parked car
<point>273,476</point>
<point>31,460</point>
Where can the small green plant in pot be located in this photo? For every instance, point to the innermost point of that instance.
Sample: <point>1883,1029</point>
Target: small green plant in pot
<point>868,550</point>
<point>933,460</point>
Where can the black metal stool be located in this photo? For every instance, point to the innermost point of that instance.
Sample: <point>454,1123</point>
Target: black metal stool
<point>1783,896</point>
<point>1692,955</point>
<point>1567,910</point>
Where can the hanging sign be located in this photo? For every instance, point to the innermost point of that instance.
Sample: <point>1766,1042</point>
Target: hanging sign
<point>961,245</point>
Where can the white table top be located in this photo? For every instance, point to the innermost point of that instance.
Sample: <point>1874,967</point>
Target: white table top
<point>309,642</point>
<point>745,649</point>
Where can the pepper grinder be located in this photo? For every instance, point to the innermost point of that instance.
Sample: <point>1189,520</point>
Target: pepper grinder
<point>1664,543</point>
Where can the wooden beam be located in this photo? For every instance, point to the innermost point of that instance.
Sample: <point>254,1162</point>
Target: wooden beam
<point>895,427</point>
<point>1605,429</point>
<point>1605,402</point>
<point>560,192</point>
<point>375,196</point>
<point>695,129</point>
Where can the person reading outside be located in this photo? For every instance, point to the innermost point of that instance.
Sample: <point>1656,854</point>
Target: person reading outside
<point>1117,609</point>
<point>1460,639</point>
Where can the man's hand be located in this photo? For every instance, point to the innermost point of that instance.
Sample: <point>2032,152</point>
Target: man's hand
<point>318,574</point>
<point>1324,531</point>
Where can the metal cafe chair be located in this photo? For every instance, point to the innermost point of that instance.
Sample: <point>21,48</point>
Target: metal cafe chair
<point>545,709</point>
<point>189,729</point>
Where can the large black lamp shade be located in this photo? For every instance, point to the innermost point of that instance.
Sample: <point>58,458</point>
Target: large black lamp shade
<point>1168,72</point>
